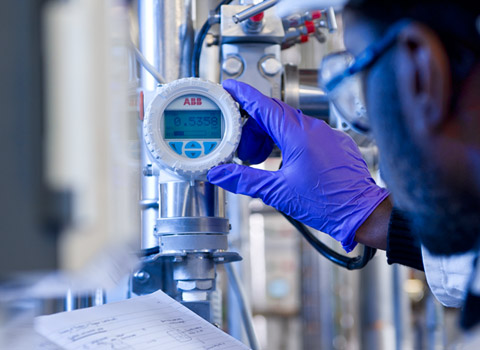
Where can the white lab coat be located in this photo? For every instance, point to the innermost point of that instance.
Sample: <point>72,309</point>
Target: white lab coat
<point>448,277</point>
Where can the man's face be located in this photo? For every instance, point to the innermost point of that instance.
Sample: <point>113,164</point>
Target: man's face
<point>446,219</point>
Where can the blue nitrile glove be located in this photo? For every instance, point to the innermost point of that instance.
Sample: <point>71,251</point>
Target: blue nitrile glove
<point>323,182</point>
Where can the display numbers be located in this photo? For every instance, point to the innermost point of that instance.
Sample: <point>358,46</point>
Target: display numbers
<point>197,121</point>
<point>192,124</point>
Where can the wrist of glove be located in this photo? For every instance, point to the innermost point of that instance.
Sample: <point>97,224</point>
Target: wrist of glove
<point>323,182</point>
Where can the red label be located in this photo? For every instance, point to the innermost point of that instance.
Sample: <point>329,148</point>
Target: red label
<point>193,101</point>
<point>141,109</point>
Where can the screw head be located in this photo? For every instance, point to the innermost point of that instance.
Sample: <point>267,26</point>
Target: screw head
<point>271,66</point>
<point>232,65</point>
<point>141,276</point>
<point>148,170</point>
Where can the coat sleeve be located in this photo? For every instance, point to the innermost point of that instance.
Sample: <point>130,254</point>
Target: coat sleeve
<point>402,246</point>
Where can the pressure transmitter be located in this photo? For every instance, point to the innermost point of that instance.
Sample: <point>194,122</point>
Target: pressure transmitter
<point>192,125</point>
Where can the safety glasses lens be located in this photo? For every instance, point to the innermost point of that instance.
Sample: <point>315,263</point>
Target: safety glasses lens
<point>348,96</point>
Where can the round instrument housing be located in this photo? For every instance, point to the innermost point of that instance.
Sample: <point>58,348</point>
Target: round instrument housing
<point>192,125</point>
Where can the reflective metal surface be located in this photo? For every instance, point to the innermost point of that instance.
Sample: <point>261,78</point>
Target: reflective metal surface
<point>149,193</point>
<point>300,90</point>
<point>166,40</point>
<point>199,225</point>
<point>193,243</point>
<point>253,10</point>
<point>195,267</point>
<point>181,199</point>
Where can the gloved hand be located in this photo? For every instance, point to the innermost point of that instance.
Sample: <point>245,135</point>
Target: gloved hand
<point>323,182</point>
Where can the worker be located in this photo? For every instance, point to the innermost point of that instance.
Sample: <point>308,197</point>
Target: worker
<point>418,62</point>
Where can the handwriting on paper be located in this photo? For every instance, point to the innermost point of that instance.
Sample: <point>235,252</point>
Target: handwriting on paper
<point>153,321</point>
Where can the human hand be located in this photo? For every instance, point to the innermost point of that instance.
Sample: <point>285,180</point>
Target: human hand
<point>323,182</point>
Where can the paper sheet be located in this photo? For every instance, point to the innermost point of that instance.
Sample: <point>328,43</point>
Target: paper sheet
<point>154,321</point>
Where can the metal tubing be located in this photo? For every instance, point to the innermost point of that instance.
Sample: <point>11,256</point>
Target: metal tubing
<point>242,301</point>
<point>377,323</point>
<point>166,42</point>
<point>253,10</point>
<point>331,20</point>
<point>151,69</point>
<point>166,38</point>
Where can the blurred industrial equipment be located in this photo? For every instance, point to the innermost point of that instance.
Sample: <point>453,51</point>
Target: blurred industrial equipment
<point>80,81</point>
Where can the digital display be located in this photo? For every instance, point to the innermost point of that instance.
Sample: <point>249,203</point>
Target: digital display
<point>199,124</point>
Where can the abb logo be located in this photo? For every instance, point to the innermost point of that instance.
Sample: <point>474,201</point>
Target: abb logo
<point>193,101</point>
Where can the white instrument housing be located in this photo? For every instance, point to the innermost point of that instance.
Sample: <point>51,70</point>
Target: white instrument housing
<point>192,125</point>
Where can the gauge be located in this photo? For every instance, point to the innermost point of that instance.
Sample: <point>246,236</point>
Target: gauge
<point>192,125</point>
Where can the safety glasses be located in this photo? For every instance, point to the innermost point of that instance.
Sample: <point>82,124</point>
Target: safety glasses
<point>340,77</point>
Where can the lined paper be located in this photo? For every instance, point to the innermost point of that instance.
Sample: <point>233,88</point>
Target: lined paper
<point>154,321</point>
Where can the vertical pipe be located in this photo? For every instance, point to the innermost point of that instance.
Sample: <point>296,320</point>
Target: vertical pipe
<point>166,40</point>
<point>402,310</point>
<point>434,324</point>
<point>244,307</point>
<point>377,322</point>
<point>148,23</point>
<point>238,215</point>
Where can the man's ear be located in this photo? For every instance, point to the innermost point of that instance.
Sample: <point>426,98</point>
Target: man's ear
<point>423,79</point>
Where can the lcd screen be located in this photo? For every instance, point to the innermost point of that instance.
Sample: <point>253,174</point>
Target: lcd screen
<point>199,124</point>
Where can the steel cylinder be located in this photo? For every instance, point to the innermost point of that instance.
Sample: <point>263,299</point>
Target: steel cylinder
<point>191,217</point>
<point>301,90</point>
<point>181,199</point>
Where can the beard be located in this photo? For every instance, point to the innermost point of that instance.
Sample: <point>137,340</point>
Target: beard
<point>445,218</point>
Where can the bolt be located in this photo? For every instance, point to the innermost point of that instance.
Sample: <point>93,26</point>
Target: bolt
<point>232,65</point>
<point>195,285</point>
<point>211,40</point>
<point>141,276</point>
<point>204,284</point>
<point>148,170</point>
<point>271,66</point>
<point>253,25</point>
<point>186,285</point>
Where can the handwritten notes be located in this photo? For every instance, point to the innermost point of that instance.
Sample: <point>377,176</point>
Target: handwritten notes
<point>153,321</point>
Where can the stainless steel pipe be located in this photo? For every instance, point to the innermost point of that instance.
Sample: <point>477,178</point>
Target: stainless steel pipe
<point>166,38</point>
<point>166,41</point>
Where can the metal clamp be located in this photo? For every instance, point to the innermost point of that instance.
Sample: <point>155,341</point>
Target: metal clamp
<point>186,225</point>
<point>192,243</point>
